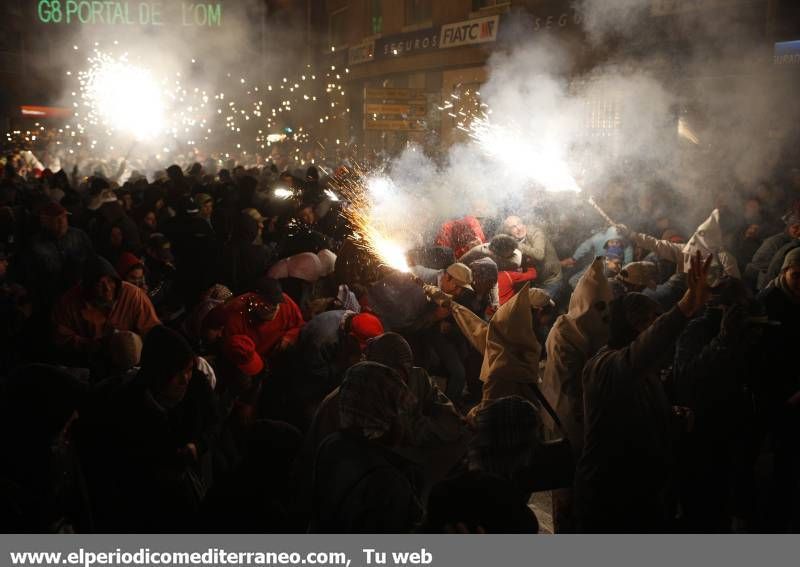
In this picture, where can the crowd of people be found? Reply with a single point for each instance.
(198, 352)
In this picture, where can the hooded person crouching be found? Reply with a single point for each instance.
(97, 307)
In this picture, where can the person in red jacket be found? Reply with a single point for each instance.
(268, 316)
(509, 282)
(461, 235)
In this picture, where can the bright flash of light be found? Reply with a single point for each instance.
(361, 196)
(283, 193)
(331, 195)
(124, 97)
(542, 162)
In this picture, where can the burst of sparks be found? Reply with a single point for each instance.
(123, 97)
(358, 192)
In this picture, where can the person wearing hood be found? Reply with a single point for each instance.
(776, 264)
(157, 436)
(622, 478)
(509, 345)
(574, 338)
(611, 244)
(781, 299)
(99, 306)
(757, 269)
(537, 250)
(244, 260)
(360, 483)
(706, 239)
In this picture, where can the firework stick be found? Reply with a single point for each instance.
(602, 213)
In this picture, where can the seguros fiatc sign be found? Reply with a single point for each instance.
(482, 30)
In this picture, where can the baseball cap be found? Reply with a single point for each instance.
(461, 274)
(240, 350)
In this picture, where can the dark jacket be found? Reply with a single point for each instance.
(51, 266)
(622, 476)
(756, 269)
(243, 261)
(361, 486)
(196, 254)
(145, 486)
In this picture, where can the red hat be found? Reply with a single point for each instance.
(365, 326)
(241, 351)
(126, 263)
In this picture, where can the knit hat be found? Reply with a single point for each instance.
(269, 289)
(390, 349)
(639, 273)
(461, 274)
(125, 349)
(240, 350)
(792, 259)
(374, 399)
(128, 262)
(365, 326)
(164, 354)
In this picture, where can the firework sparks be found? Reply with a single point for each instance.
(123, 97)
(360, 194)
(508, 146)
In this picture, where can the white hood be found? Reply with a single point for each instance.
(583, 313)
(707, 239)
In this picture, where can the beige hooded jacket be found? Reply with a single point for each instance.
(509, 346)
(574, 339)
(707, 239)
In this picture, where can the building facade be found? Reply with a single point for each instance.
(415, 66)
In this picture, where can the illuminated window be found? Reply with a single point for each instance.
(376, 17)
(418, 11)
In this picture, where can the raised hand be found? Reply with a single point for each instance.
(698, 290)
